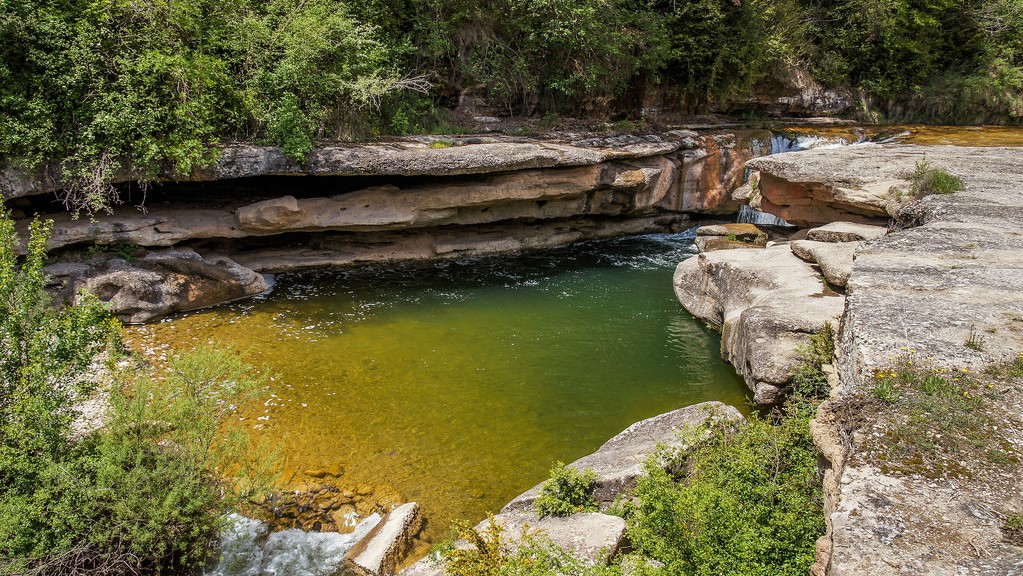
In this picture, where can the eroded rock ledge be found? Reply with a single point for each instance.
(384, 202)
(916, 293)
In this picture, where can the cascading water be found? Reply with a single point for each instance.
(248, 548)
(781, 143)
(749, 215)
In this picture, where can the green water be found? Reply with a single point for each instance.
(460, 383)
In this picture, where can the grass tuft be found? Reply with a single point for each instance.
(927, 180)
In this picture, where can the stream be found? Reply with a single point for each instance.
(459, 383)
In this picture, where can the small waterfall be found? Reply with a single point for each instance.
(248, 548)
(781, 143)
(748, 215)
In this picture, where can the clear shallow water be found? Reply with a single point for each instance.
(459, 383)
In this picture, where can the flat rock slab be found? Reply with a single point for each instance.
(748, 232)
(619, 462)
(590, 537)
(766, 303)
(845, 232)
(402, 158)
(834, 258)
(385, 546)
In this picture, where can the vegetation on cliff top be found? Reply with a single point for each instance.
(101, 86)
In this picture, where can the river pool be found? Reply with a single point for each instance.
(459, 383)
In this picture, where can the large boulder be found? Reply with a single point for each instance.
(845, 232)
(619, 462)
(160, 283)
(835, 259)
(729, 236)
(766, 303)
(591, 537)
(869, 191)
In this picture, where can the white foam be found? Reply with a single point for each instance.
(248, 548)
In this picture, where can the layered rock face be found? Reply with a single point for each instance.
(381, 203)
(917, 294)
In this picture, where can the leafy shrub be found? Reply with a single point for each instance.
(1012, 528)
(809, 380)
(143, 494)
(739, 499)
(566, 492)
(743, 501)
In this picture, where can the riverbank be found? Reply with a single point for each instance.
(933, 301)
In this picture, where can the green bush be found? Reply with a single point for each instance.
(809, 380)
(566, 492)
(739, 499)
(146, 492)
(927, 180)
(743, 501)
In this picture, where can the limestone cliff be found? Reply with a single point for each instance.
(255, 211)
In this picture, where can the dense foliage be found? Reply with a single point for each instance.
(100, 86)
(742, 501)
(144, 493)
(567, 491)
